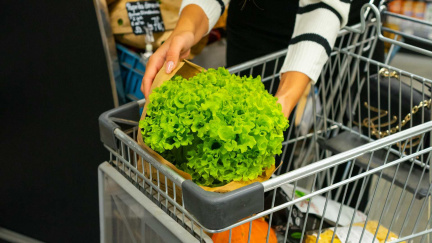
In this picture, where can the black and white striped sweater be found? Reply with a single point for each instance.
(315, 31)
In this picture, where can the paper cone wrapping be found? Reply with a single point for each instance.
(185, 69)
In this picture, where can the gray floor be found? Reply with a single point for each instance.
(416, 65)
(212, 56)
(419, 65)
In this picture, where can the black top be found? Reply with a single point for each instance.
(259, 27)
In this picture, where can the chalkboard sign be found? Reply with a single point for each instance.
(145, 14)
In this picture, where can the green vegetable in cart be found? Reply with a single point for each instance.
(215, 126)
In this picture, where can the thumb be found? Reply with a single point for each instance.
(173, 53)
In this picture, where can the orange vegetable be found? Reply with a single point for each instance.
(240, 233)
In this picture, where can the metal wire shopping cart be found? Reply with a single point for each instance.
(359, 172)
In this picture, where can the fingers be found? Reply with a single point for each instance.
(153, 66)
(185, 54)
(173, 53)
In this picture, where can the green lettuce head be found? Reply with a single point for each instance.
(216, 126)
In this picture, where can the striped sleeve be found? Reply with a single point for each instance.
(212, 8)
(315, 31)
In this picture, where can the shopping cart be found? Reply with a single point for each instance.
(357, 171)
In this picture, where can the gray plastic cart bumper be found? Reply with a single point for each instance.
(219, 210)
(107, 125)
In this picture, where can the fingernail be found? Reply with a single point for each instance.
(169, 67)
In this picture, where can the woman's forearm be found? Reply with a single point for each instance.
(291, 87)
(192, 19)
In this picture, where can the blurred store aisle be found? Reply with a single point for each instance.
(420, 65)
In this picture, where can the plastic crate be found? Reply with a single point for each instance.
(132, 72)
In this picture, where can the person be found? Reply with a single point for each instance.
(254, 28)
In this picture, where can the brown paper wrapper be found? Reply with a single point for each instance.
(187, 69)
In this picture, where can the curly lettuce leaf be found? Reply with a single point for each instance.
(216, 126)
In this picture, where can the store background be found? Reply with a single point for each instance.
(54, 85)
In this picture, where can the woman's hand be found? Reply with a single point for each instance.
(291, 87)
(191, 26)
(175, 48)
